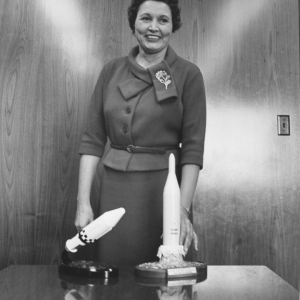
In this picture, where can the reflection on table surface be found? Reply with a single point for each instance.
(222, 282)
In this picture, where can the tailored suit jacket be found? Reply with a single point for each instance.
(162, 106)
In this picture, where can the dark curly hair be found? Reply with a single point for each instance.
(173, 4)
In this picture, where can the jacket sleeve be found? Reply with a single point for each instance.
(194, 119)
(94, 137)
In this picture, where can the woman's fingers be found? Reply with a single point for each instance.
(183, 229)
(187, 234)
(195, 240)
(188, 237)
(84, 216)
(191, 237)
(182, 233)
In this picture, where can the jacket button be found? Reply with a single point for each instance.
(128, 110)
(125, 129)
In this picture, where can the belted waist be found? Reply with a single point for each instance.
(138, 149)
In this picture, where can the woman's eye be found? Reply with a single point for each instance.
(145, 18)
(163, 21)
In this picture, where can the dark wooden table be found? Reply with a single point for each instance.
(223, 282)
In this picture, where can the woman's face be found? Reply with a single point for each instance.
(153, 26)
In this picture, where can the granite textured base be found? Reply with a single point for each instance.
(181, 270)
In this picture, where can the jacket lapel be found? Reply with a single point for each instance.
(158, 76)
(163, 82)
(131, 87)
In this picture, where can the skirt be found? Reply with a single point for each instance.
(137, 236)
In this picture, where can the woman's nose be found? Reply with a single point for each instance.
(153, 26)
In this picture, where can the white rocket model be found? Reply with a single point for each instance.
(95, 229)
(170, 252)
(171, 207)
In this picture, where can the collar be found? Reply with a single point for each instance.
(159, 76)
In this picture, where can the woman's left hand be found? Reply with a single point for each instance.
(187, 232)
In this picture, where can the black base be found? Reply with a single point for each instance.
(87, 281)
(97, 271)
(86, 269)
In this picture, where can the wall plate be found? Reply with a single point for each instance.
(283, 124)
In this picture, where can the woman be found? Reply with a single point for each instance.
(146, 104)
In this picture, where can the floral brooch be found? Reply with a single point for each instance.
(163, 77)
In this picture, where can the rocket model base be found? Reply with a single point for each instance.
(169, 282)
(86, 269)
(186, 270)
(87, 281)
(171, 265)
(89, 270)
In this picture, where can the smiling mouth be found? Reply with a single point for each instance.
(152, 37)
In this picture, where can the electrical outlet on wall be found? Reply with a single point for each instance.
(283, 124)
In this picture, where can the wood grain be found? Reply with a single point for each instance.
(247, 202)
(246, 207)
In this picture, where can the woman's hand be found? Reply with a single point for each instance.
(189, 181)
(87, 171)
(187, 232)
(84, 215)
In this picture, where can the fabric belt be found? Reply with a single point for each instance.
(137, 149)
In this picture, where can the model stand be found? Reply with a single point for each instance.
(171, 265)
(87, 269)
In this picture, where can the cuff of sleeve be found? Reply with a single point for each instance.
(187, 161)
(90, 150)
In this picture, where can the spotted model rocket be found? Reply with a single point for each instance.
(89, 234)
(95, 229)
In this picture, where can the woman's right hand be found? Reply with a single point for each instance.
(87, 171)
(84, 215)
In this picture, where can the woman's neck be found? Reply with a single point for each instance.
(146, 60)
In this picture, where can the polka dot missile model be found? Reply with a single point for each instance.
(95, 229)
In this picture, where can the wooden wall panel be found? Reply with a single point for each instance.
(247, 204)
(247, 201)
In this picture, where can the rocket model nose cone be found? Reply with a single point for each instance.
(172, 163)
(112, 217)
